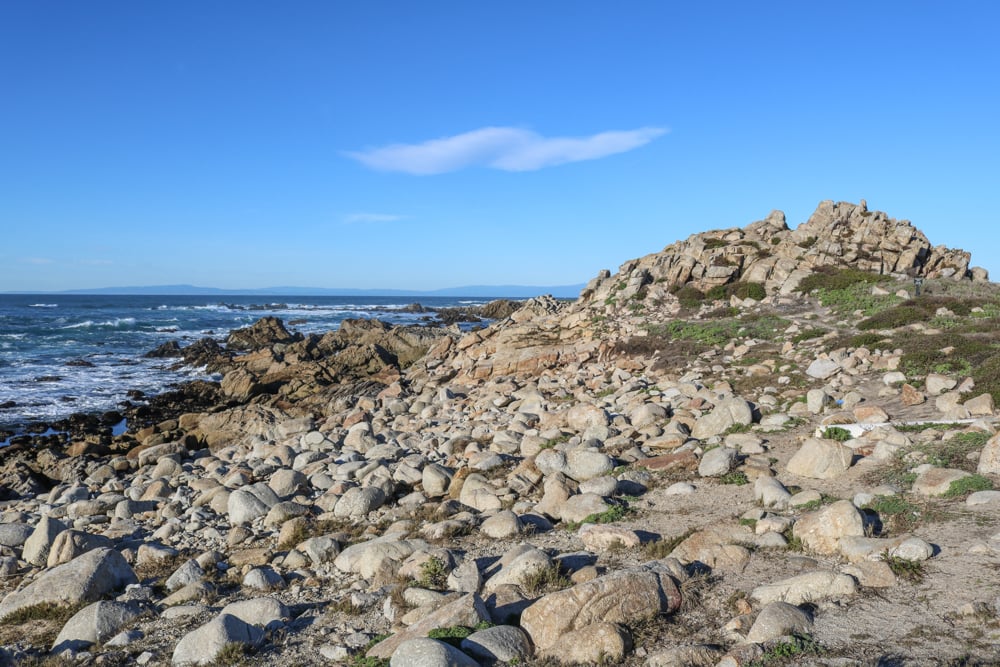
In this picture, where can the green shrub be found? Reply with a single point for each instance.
(904, 568)
(433, 573)
(456, 633)
(868, 340)
(788, 650)
(545, 580)
(967, 485)
(808, 334)
(837, 433)
(689, 296)
(753, 291)
(830, 278)
(712, 244)
(716, 293)
(233, 653)
(897, 514)
(895, 317)
(736, 477)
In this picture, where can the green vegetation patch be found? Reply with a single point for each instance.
(689, 296)
(663, 547)
(610, 515)
(789, 651)
(963, 487)
(433, 574)
(837, 433)
(545, 580)
(904, 568)
(848, 290)
(720, 332)
(455, 634)
(808, 334)
(736, 477)
(741, 290)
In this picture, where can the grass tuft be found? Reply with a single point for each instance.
(904, 568)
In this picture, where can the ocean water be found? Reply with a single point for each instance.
(61, 354)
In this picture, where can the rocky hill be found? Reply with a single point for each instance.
(756, 447)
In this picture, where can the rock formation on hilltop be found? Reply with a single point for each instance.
(614, 307)
(768, 252)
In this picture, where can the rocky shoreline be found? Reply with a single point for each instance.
(665, 472)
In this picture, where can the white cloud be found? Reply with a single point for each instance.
(372, 217)
(37, 260)
(505, 148)
(96, 262)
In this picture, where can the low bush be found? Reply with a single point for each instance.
(689, 297)
(963, 487)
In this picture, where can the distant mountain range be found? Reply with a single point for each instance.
(478, 291)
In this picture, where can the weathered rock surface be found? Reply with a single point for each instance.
(83, 579)
(618, 597)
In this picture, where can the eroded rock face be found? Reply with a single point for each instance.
(264, 332)
(620, 597)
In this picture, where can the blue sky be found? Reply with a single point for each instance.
(434, 144)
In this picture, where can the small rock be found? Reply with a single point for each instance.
(777, 619)
(717, 462)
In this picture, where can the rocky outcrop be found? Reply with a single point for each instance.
(770, 253)
(265, 332)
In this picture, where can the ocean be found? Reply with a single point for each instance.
(63, 354)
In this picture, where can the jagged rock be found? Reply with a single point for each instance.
(264, 332)
(910, 395)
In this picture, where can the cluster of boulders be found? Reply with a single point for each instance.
(524, 492)
(768, 252)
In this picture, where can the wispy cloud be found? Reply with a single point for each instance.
(373, 217)
(95, 262)
(505, 148)
(37, 260)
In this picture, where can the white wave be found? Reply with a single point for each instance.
(43, 305)
(117, 322)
